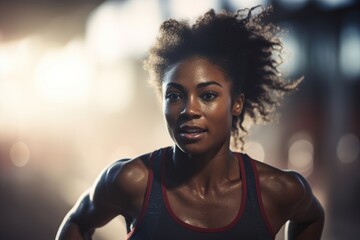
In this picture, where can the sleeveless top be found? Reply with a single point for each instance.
(157, 222)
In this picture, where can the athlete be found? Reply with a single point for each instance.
(211, 75)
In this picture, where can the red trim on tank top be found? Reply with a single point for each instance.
(147, 196)
(261, 204)
(201, 229)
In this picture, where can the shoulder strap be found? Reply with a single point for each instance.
(150, 212)
(254, 198)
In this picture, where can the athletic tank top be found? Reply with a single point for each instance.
(157, 222)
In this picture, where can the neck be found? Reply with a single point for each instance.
(204, 172)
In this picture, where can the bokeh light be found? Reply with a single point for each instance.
(293, 58)
(301, 154)
(116, 30)
(350, 50)
(348, 148)
(191, 10)
(20, 154)
(237, 4)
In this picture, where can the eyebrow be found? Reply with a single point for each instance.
(205, 84)
(200, 85)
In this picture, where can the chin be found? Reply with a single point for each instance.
(192, 149)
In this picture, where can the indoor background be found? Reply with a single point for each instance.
(74, 98)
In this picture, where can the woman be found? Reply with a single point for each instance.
(210, 75)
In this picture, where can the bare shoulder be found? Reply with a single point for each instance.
(126, 181)
(286, 188)
(286, 194)
(121, 187)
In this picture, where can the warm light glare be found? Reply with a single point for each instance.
(72, 188)
(20, 154)
(15, 56)
(348, 148)
(5, 60)
(64, 75)
(116, 30)
(115, 87)
(255, 150)
(191, 10)
(122, 152)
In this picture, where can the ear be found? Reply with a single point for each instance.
(238, 103)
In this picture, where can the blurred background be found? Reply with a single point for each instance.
(74, 98)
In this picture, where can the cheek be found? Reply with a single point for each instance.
(169, 114)
(223, 119)
(221, 111)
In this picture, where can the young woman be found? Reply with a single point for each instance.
(210, 75)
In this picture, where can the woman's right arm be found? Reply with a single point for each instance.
(113, 193)
(76, 223)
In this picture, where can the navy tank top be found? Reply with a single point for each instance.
(157, 222)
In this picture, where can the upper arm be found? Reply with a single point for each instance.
(307, 215)
(119, 189)
(307, 208)
(97, 205)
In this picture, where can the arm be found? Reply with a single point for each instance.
(94, 208)
(307, 220)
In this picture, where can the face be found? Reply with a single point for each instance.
(198, 105)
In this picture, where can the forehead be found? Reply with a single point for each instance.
(195, 70)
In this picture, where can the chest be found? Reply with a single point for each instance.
(215, 209)
(179, 213)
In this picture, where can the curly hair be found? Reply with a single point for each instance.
(242, 45)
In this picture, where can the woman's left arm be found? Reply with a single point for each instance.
(307, 220)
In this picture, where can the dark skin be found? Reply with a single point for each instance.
(203, 177)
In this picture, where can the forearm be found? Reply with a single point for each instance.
(71, 231)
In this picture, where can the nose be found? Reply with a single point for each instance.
(191, 108)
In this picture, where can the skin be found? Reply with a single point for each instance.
(203, 180)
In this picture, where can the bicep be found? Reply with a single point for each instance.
(79, 221)
(97, 205)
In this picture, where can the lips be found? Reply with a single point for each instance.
(191, 132)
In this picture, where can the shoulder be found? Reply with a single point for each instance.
(285, 188)
(122, 184)
(284, 194)
(129, 176)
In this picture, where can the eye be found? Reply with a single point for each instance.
(208, 96)
(172, 97)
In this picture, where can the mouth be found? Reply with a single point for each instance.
(191, 132)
